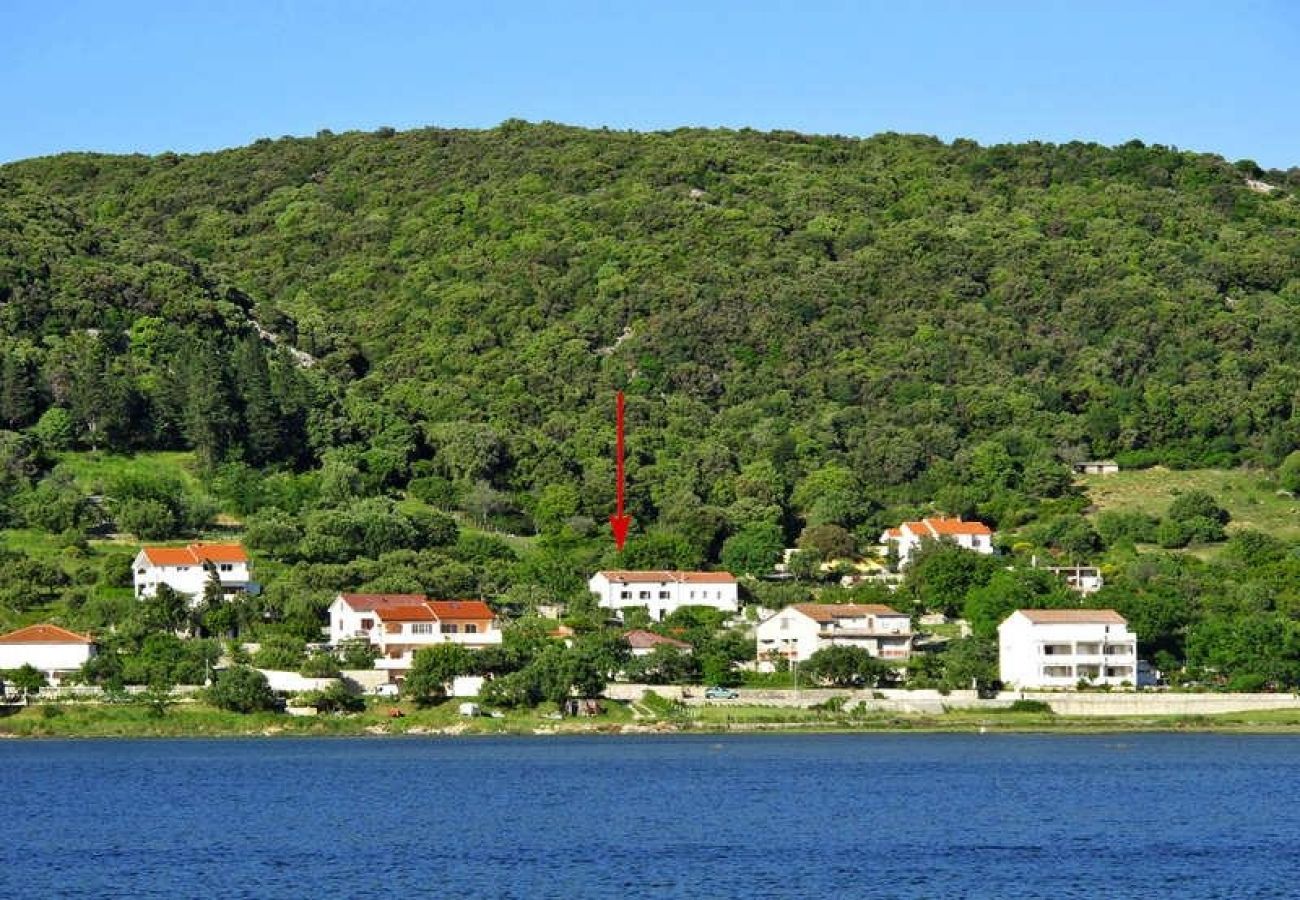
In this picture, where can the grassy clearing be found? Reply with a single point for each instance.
(1249, 495)
(520, 543)
(94, 470)
(88, 720)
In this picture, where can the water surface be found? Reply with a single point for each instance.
(1096, 816)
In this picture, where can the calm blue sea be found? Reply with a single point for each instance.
(667, 816)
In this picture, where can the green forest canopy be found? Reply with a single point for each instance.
(792, 317)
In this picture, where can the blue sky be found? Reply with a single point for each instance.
(124, 76)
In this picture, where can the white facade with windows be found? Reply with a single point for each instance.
(663, 592)
(797, 632)
(1059, 648)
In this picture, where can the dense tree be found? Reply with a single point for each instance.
(242, 690)
(844, 667)
(433, 669)
(1006, 591)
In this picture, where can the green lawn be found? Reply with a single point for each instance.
(198, 720)
(1251, 496)
(95, 469)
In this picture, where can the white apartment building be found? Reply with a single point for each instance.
(906, 539)
(397, 625)
(663, 593)
(1058, 648)
(186, 569)
(797, 632)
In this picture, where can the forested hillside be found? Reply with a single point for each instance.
(810, 331)
(908, 314)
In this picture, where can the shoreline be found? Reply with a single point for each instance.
(91, 722)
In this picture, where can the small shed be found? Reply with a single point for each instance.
(1097, 467)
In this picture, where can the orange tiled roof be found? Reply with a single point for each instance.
(44, 634)
(624, 576)
(826, 612)
(372, 602)
(412, 613)
(195, 554)
(939, 526)
(475, 610)
(640, 639)
(1073, 616)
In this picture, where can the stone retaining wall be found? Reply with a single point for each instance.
(1067, 703)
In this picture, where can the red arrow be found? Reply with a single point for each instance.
(618, 522)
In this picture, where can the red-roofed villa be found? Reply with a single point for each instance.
(797, 632)
(187, 569)
(399, 624)
(906, 538)
(643, 642)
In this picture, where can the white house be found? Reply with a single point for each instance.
(1083, 579)
(663, 593)
(50, 649)
(1097, 467)
(1058, 648)
(643, 643)
(400, 624)
(797, 632)
(907, 538)
(187, 569)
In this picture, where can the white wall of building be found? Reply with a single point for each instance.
(48, 658)
(796, 636)
(1060, 655)
(663, 593)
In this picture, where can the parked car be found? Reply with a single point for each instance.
(717, 692)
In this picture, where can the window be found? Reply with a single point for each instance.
(449, 628)
(367, 624)
(643, 595)
(471, 628)
(692, 595)
(422, 628)
(625, 595)
(663, 595)
(1057, 672)
(227, 567)
(1118, 650)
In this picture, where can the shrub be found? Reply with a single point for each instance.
(1195, 505)
(280, 651)
(357, 653)
(320, 665)
(1172, 535)
(242, 690)
(335, 698)
(1030, 706)
(1288, 474)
